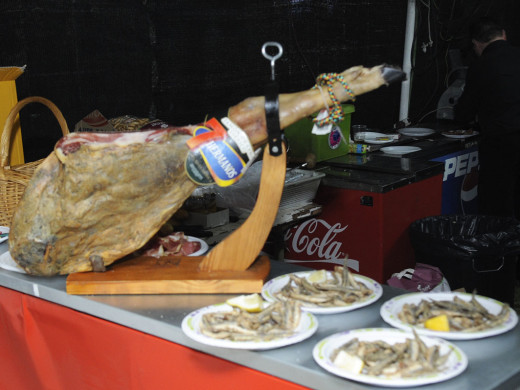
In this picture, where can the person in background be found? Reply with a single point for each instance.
(491, 103)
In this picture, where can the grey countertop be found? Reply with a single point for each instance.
(494, 362)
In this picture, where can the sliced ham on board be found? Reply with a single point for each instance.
(174, 244)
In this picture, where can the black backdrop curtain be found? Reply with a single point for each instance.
(181, 61)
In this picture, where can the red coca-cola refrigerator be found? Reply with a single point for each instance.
(368, 203)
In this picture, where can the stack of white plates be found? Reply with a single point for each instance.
(416, 131)
(371, 137)
(400, 150)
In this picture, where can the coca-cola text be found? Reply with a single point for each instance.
(302, 239)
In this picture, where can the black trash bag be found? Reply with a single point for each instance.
(474, 252)
(470, 235)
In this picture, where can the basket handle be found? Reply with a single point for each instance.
(5, 142)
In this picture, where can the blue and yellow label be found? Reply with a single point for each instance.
(214, 157)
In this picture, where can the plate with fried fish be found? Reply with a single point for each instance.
(450, 315)
(324, 291)
(389, 357)
(270, 325)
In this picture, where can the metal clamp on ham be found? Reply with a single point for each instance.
(271, 103)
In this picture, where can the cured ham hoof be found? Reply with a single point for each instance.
(97, 263)
(392, 74)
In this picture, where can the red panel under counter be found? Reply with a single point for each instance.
(48, 346)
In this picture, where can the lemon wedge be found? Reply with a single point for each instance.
(317, 276)
(252, 303)
(439, 323)
(349, 362)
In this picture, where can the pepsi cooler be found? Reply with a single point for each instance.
(460, 177)
(460, 181)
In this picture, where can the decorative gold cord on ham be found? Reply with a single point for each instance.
(99, 197)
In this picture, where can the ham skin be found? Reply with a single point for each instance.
(98, 198)
(101, 196)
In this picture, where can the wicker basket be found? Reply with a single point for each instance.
(13, 180)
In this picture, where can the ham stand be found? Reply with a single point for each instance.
(234, 265)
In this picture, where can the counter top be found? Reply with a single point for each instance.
(493, 362)
(434, 145)
(376, 172)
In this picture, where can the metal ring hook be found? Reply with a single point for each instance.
(270, 57)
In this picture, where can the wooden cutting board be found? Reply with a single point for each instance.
(168, 275)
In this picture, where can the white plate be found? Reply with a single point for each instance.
(391, 309)
(191, 327)
(370, 137)
(416, 131)
(7, 262)
(459, 136)
(203, 246)
(455, 365)
(399, 150)
(4, 229)
(274, 285)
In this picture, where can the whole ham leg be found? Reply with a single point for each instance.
(99, 197)
(249, 114)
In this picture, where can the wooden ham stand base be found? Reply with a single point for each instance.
(233, 266)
